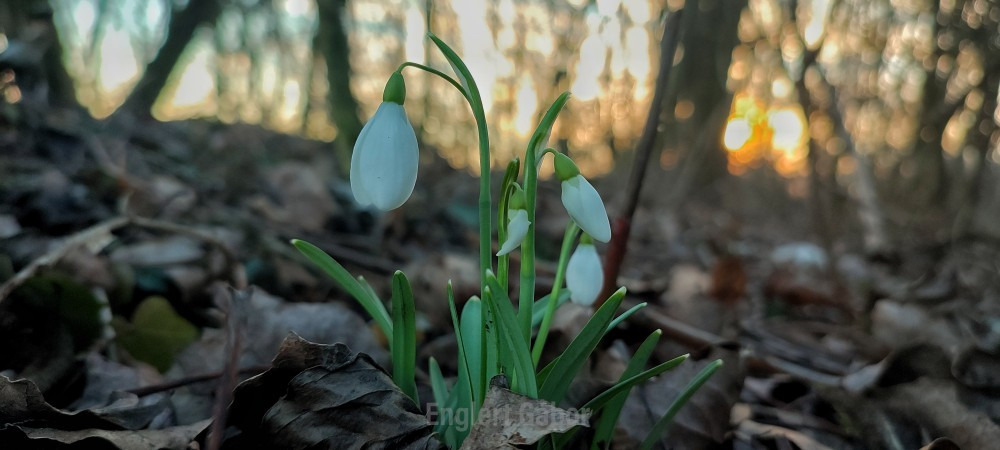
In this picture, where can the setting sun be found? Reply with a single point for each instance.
(756, 133)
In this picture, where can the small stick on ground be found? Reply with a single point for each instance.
(193, 379)
(81, 238)
(235, 323)
(101, 230)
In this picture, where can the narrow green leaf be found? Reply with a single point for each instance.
(538, 310)
(544, 127)
(459, 411)
(438, 386)
(404, 352)
(526, 293)
(509, 333)
(462, 71)
(369, 289)
(465, 360)
(618, 320)
(453, 421)
(476, 102)
(332, 268)
(661, 425)
(603, 398)
(572, 359)
(609, 417)
(471, 322)
(544, 373)
(506, 186)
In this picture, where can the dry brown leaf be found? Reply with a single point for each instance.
(802, 440)
(325, 397)
(935, 404)
(270, 319)
(174, 438)
(508, 419)
(303, 200)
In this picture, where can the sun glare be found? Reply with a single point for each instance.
(527, 104)
(738, 132)
(757, 133)
(118, 65)
(194, 88)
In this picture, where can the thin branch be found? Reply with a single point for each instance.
(644, 148)
(100, 231)
(193, 379)
(236, 312)
(83, 237)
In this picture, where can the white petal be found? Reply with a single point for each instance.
(517, 228)
(584, 276)
(584, 205)
(357, 187)
(388, 158)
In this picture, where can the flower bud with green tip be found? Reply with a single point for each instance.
(584, 274)
(517, 224)
(384, 163)
(581, 200)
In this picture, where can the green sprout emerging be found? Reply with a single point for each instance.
(494, 337)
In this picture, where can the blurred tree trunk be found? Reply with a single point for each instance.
(983, 136)
(183, 25)
(708, 37)
(34, 50)
(330, 41)
(931, 181)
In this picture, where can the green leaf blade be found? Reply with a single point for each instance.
(609, 417)
(509, 332)
(404, 349)
(572, 359)
(696, 383)
(338, 273)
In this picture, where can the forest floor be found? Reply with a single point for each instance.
(142, 265)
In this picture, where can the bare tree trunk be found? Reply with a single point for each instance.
(983, 136)
(876, 240)
(331, 42)
(709, 35)
(183, 25)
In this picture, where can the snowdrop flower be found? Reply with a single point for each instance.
(517, 223)
(584, 275)
(384, 163)
(581, 200)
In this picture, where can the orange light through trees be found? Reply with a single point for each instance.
(756, 133)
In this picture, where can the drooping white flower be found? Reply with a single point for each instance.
(582, 201)
(584, 275)
(517, 228)
(385, 159)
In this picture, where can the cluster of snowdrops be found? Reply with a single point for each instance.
(493, 336)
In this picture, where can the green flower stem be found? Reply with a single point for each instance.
(506, 187)
(472, 97)
(471, 92)
(434, 71)
(526, 296)
(543, 331)
(541, 156)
